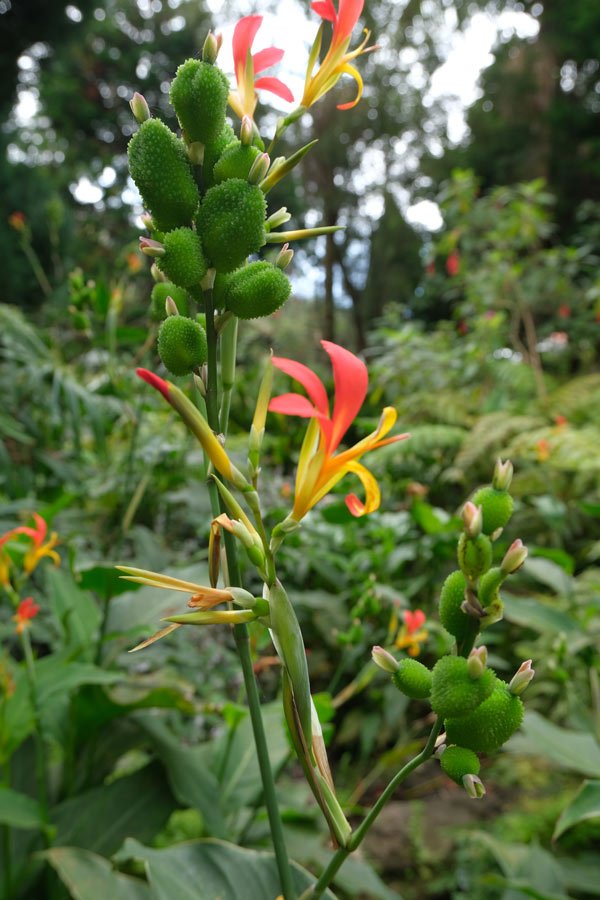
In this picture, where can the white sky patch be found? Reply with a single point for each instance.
(86, 192)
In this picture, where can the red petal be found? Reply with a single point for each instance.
(348, 16)
(243, 36)
(413, 620)
(311, 383)
(294, 405)
(265, 58)
(325, 9)
(355, 506)
(275, 86)
(154, 381)
(351, 380)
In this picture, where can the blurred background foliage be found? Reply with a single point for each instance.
(484, 333)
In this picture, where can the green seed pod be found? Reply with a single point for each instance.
(454, 692)
(161, 170)
(181, 345)
(235, 162)
(491, 724)
(213, 152)
(231, 223)
(413, 679)
(458, 762)
(255, 290)
(199, 94)
(496, 506)
(452, 617)
(160, 292)
(474, 555)
(184, 261)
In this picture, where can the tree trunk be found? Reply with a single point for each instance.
(330, 255)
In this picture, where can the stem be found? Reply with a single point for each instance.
(7, 843)
(36, 266)
(240, 632)
(40, 750)
(358, 836)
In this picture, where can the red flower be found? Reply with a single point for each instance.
(453, 264)
(26, 610)
(564, 311)
(413, 619)
(248, 65)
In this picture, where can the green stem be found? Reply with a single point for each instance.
(36, 266)
(358, 836)
(240, 632)
(7, 842)
(40, 749)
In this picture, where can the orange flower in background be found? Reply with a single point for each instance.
(337, 60)
(247, 66)
(26, 611)
(412, 634)
(319, 467)
(542, 449)
(17, 221)
(39, 549)
(453, 264)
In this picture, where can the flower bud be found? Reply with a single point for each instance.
(459, 763)
(181, 345)
(284, 257)
(139, 108)
(157, 275)
(503, 474)
(231, 221)
(165, 291)
(523, 676)
(195, 152)
(514, 558)
(210, 49)
(477, 661)
(474, 787)
(259, 168)
(384, 660)
(246, 131)
(473, 519)
(151, 248)
(279, 217)
(148, 222)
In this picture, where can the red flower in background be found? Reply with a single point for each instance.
(453, 264)
(248, 66)
(26, 610)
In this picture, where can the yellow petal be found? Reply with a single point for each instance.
(155, 637)
(354, 73)
(372, 492)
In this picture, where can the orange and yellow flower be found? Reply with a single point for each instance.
(247, 65)
(26, 611)
(412, 634)
(39, 549)
(337, 59)
(319, 467)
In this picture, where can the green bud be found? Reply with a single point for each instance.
(454, 692)
(474, 555)
(158, 297)
(213, 152)
(413, 679)
(255, 290)
(181, 345)
(452, 617)
(235, 162)
(458, 762)
(231, 222)
(491, 724)
(184, 261)
(496, 506)
(199, 94)
(161, 170)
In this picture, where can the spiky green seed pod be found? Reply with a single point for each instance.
(160, 292)
(184, 261)
(413, 679)
(474, 555)
(161, 170)
(231, 223)
(255, 290)
(496, 506)
(181, 345)
(235, 162)
(452, 617)
(214, 151)
(458, 762)
(199, 94)
(490, 725)
(453, 691)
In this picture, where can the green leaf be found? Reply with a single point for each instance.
(538, 615)
(224, 871)
(584, 805)
(428, 518)
(573, 750)
(104, 580)
(18, 719)
(550, 574)
(57, 678)
(188, 770)
(75, 611)
(19, 810)
(100, 819)
(88, 876)
(529, 871)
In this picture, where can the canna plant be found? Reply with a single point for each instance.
(206, 193)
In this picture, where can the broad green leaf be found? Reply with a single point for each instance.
(582, 873)
(57, 678)
(75, 611)
(19, 810)
(549, 573)
(104, 580)
(584, 805)
(188, 770)
(18, 718)
(573, 750)
(88, 876)
(136, 805)
(529, 871)
(538, 615)
(213, 870)
(428, 518)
